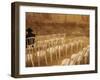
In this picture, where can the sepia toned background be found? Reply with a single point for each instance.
(45, 23)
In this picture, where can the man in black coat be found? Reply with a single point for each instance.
(29, 34)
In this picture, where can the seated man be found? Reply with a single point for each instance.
(30, 37)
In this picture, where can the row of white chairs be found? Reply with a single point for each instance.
(57, 50)
(82, 57)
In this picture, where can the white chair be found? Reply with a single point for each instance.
(65, 61)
